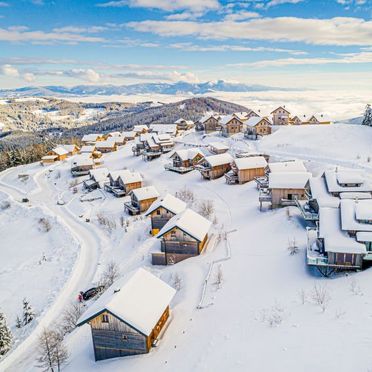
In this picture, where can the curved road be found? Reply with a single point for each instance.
(23, 357)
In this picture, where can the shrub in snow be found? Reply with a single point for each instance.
(110, 274)
(44, 224)
(206, 209)
(5, 205)
(52, 352)
(293, 247)
(273, 316)
(321, 296)
(108, 223)
(186, 195)
(28, 312)
(5, 336)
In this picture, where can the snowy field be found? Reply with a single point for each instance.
(263, 317)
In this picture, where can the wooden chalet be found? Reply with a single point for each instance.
(170, 129)
(184, 160)
(183, 236)
(129, 135)
(118, 140)
(140, 143)
(121, 182)
(140, 129)
(106, 146)
(183, 125)
(81, 165)
(280, 116)
(246, 169)
(141, 200)
(91, 139)
(214, 166)
(162, 210)
(152, 148)
(209, 123)
(57, 154)
(130, 317)
(217, 148)
(285, 188)
(296, 120)
(319, 119)
(257, 126)
(230, 125)
(97, 179)
(71, 149)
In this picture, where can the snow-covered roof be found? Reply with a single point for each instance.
(138, 299)
(364, 236)
(105, 144)
(126, 176)
(181, 121)
(225, 119)
(49, 157)
(187, 154)
(164, 128)
(320, 193)
(218, 146)
(207, 116)
(82, 160)
(140, 128)
(288, 180)
(333, 185)
(363, 210)
(129, 134)
(99, 174)
(190, 222)
(254, 120)
(115, 134)
(144, 193)
(87, 148)
(220, 159)
(336, 240)
(348, 217)
(287, 166)
(90, 137)
(242, 115)
(251, 162)
(60, 151)
(355, 195)
(169, 202)
(68, 148)
(280, 108)
(349, 176)
(164, 137)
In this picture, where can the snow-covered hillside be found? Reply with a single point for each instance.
(263, 317)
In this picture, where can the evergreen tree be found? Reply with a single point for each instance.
(367, 120)
(18, 322)
(5, 336)
(28, 312)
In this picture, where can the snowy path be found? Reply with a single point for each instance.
(22, 358)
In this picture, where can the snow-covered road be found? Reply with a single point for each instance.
(22, 358)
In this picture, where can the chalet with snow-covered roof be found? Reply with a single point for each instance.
(91, 139)
(209, 123)
(141, 199)
(183, 124)
(217, 148)
(121, 182)
(106, 146)
(170, 129)
(97, 179)
(162, 210)
(317, 119)
(140, 144)
(280, 116)
(81, 165)
(257, 126)
(118, 140)
(246, 169)
(129, 135)
(129, 318)
(184, 160)
(230, 125)
(295, 120)
(183, 236)
(57, 154)
(140, 129)
(71, 149)
(214, 166)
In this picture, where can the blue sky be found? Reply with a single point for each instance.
(302, 43)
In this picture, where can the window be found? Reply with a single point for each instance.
(125, 338)
(105, 318)
(158, 212)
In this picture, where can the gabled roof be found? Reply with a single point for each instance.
(82, 160)
(190, 222)
(69, 148)
(254, 120)
(140, 128)
(348, 217)
(187, 154)
(280, 108)
(333, 181)
(60, 151)
(207, 116)
(109, 143)
(363, 210)
(138, 299)
(164, 128)
(99, 174)
(169, 202)
(288, 180)
(144, 193)
(91, 137)
(241, 115)
(220, 159)
(287, 166)
(126, 176)
(251, 162)
(129, 134)
(225, 119)
(87, 148)
(218, 145)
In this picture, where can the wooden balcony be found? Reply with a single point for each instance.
(231, 178)
(131, 209)
(115, 190)
(180, 169)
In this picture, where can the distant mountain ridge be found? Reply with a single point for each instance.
(154, 88)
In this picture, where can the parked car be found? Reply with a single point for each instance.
(25, 200)
(92, 292)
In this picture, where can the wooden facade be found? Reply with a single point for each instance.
(113, 337)
(159, 217)
(138, 206)
(211, 125)
(212, 172)
(247, 175)
(280, 196)
(233, 126)
(280, 116)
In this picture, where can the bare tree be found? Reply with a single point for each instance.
(70, 318)
(293, 247)
(177, 282)
(52, 352)
(110, 275)
(206, 209)
(187, 196)
(44, 224)
(219, 277)
(321, 296)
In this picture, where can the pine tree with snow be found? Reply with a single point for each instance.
(28, 312)
(5, 336)
(367, 120)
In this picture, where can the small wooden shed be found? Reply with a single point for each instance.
(129, 317)
(162, 210)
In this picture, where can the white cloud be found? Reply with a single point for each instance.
(166, 5)
(79, 30)
(241, 16)
(335, 31)
(29, 77)
(281, 2)
(83, 74)
(9, 70)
